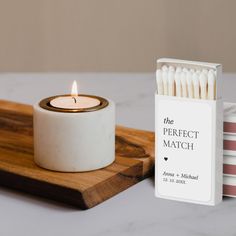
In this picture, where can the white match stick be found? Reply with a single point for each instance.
(211, 85)
(203, 85)
(195, 79)
(190, 84)
(192, 70)
(159, 82)
(178, 84)
(171, 85)
(198, 72)
(185, 70)
(211, 71)
(171, 68)
(164, 68)
(205, 71)
(184, 84)
(178, 69)
(165, 81)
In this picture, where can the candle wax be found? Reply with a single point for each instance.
(74, 102)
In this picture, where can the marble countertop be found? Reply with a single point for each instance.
(133, 212)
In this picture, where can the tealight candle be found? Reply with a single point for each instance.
(73, 101)
(74, 133)
(77, 102)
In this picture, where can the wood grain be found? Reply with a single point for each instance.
(134, 162)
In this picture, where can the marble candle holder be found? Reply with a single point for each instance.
(74, 140)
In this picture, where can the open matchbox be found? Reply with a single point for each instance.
(189, 142)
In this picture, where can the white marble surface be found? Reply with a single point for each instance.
(133, 212)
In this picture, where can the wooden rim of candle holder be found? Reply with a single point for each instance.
(45, 104)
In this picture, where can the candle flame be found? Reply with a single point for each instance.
(74, 89)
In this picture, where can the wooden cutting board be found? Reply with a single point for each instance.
(134, 162)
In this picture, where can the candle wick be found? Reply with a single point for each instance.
(74, 99)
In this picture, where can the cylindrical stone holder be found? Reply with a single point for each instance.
(74, 140)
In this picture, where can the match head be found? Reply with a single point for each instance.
(198, 72)
(203, 79)
(189, 77)
(171, 77)
(177, 77)
(211, 78)
(211, 71)
(178, 69)
(205, 71)
(164, 68)
(192, 71)
(195, 79)
(158, 74)
(171, 68)
(183, 78)
(165, 76)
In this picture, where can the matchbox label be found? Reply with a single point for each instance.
(184, 149)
